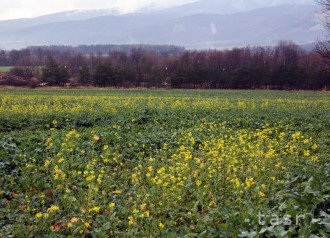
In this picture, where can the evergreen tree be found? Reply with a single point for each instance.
(105, 75)
(84, 74)
(54, 74)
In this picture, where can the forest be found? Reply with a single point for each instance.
(285, 66)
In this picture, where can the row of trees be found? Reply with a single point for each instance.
(36, 55)
(285, 66)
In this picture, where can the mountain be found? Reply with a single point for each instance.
(229, 6)
(201, 24)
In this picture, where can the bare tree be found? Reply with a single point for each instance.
(326, 10)
(323, 47)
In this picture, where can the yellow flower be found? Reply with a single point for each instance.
(314, 159)
(69, 225)
(135, 211)
(314, 146)
(112, 205)
(70, 133)
(39, 215)
(87, 225)
(130, 220)
(96, 138)
(94, 209)
(57, 170)
(117, 192)
(198, 183)
(296, 135)
(53, 208)
(146, 214)
(237, 183)
(161, 225)
(134, 177)
(47, 162)
(212, 204)
(60, 160)
(90, 178)
(306, 153)
(249, 182)
(261, 194)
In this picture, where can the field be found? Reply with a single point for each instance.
(164, 163)
(5, 68)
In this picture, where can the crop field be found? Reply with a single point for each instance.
(164, 163)
(5, 68)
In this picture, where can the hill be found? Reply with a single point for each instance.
(202, 24)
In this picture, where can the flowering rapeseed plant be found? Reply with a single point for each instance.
(148, 165)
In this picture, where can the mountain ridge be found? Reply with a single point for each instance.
(262, 26)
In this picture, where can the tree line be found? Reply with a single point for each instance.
(285, 66)
(323, 47)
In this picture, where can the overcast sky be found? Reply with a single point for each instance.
(13, 9)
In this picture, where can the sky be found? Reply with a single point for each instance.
(14, 9)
